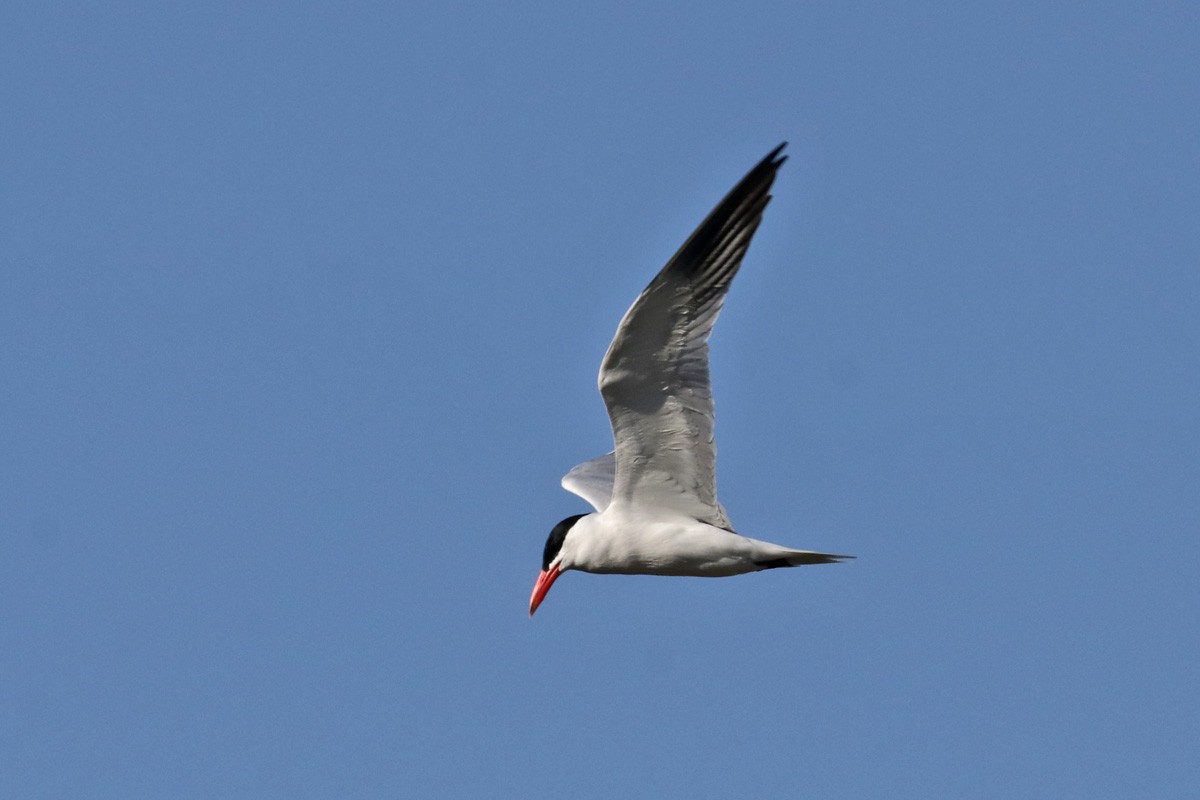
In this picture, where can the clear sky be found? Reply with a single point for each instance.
(301, 307)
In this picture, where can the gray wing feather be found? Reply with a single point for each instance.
(593, 480)
(655, 378)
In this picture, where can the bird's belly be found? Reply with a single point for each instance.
(688, 549)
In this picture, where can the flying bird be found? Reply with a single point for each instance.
(655, 495)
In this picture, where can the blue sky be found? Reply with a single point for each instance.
(301, 309)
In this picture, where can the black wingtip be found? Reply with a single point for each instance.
(768, 166)
(801, 558)
(773, 158)
(713, 253)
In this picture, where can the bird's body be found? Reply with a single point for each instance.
(621, 541)
(624, 541)
(655, 495)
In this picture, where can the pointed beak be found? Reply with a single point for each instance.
(545, 580)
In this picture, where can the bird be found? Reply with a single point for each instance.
(655, 495)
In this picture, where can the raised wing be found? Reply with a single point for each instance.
(654, 378)
(593, 480)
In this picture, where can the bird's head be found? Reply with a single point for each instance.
(554, 560)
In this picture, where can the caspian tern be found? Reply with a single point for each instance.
(655, 495)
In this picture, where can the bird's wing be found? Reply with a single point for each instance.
(593, 480)
(654, 377)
